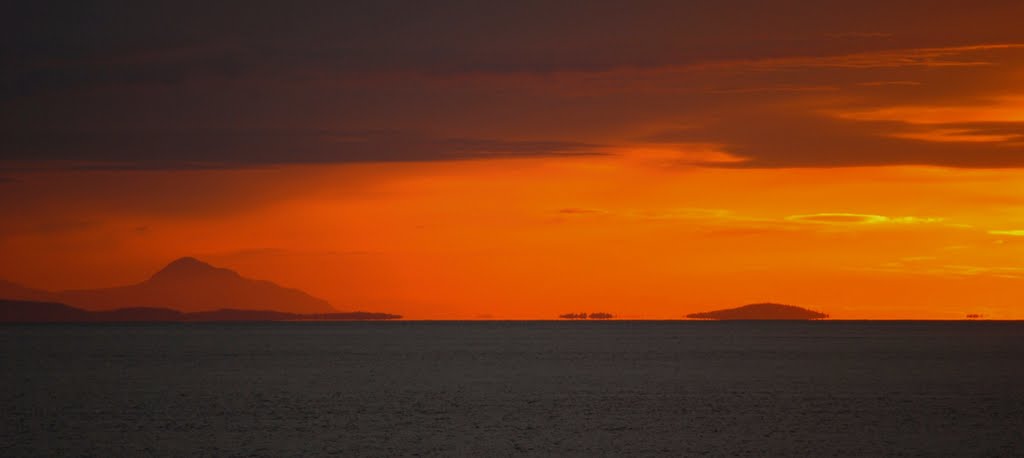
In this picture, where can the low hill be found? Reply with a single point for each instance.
(34, 312)
(763, 311)
(52, 312)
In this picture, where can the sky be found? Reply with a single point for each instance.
(519, 160)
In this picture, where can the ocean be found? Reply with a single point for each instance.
(826, 388)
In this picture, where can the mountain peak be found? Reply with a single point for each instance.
(186, 285)
(187, 261)
(190, 267)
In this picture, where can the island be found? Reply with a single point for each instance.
(585, 316)
(762, 311)
(54, 312)
(185, 290)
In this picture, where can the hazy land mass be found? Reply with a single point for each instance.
(53, 312)
(762, 311)
(187, 289)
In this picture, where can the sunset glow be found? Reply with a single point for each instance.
(868, 166)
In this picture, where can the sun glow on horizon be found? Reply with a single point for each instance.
(531, 239)
(867, 165)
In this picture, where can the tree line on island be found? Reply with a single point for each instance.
(586, 316)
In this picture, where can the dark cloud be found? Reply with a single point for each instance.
(188, 84)
(88, 44)
(1010, 130)
(62, 226)
(192, 149)
(788, 140)
(109, 41)
(49, 225)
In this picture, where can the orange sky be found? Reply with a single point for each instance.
(867, 165)
(530, 238)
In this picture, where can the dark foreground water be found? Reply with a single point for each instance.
(509, 388)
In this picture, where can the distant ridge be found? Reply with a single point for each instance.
(52, 312)
(186, 284)
(15, 291)
(762, 311)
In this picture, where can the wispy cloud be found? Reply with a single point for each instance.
(948, 270)
(889, 83)
(580, 211)
(995, 271)
(842, 35)
(659, 214)
(951, 56)
(858, 218)
(1009, 232)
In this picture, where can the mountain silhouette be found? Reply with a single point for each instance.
(185, 285)
(15, 291)
(13, 311)
(763, 311)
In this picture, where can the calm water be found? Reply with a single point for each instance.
(494, 388)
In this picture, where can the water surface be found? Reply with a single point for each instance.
(500, 388)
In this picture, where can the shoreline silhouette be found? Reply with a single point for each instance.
(12, 311)
(185, 284)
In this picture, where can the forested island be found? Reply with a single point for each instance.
(586, 316)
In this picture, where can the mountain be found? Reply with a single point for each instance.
(51, 312)
(764, 311)
(15, 291)
(186, 285)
